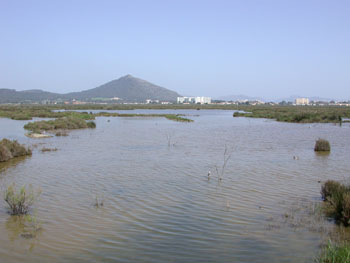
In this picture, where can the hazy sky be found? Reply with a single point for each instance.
(266, 48)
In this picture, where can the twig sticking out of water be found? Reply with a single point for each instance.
(98, 202)
(227, 156)
(169, 137)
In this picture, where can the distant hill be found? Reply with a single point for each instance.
(293, 97)
(127, 89)
(13, 96)
(239, 98)
(290, 98)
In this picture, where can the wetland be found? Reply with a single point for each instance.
(144, 188)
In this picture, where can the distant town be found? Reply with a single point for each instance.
(206, 100)
(198, 100)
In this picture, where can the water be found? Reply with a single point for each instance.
(159, 205)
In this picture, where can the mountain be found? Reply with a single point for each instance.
(127, 89)
(239, 98)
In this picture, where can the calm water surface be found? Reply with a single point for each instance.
(159, 205)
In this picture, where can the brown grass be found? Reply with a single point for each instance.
(11, 149)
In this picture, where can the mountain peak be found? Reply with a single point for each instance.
(128, 76)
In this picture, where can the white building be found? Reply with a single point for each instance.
(302, 101)
(199, 100)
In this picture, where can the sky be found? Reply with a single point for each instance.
(263, 48)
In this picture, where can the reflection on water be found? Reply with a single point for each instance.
(158, 204)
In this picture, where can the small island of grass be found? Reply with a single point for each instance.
(172, 117)
(65, 123)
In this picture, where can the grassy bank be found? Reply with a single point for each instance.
(28, 112)
(296, 114)
(11, 149)
(336, 205)
(335, 253)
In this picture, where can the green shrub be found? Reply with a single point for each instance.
(322, 146)
(19, 202)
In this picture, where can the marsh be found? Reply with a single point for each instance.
(158, 204)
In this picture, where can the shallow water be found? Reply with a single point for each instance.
(158, 202)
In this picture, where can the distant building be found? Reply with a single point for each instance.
(199, 100)
(302, 101)
(149, 101)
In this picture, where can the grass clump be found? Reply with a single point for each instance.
(331, 188)
(61, 133)
(20, 201)
(175, 117)
(335, 253)
(337, 201)
(11, 149)
(322, 146)
(48, 149)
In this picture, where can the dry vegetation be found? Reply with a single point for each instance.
(20, 201)
(11, 149)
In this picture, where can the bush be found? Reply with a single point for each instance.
(337, 198)
(19, 202)
(10, 149)
(322, 146)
